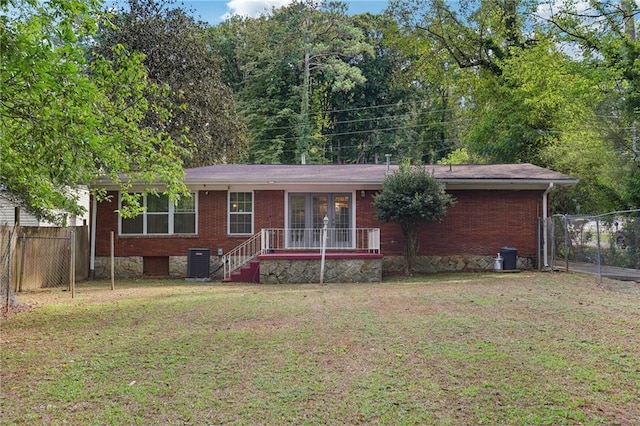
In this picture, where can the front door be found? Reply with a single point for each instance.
(306, 216)
(340, 222)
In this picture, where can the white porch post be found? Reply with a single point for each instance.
(325, 222)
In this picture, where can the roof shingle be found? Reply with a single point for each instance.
(365, 173)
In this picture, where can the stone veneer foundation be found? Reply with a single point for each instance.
(305, 267)
(459, 263)
(302, 268)
(132, 267)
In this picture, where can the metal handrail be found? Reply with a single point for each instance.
(242, 254)
(295, 239)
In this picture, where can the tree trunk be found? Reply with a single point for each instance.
(410, 232)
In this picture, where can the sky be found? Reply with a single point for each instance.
(215, 11)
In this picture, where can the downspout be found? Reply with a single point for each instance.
(92, 259)
(545, 225)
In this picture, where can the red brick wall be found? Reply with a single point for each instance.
(212, 226)
(269, 209)
(480, 223)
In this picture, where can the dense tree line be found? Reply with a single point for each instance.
(554, 84)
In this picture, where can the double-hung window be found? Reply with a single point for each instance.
(240, 213)
(184, 216)
(161, 217)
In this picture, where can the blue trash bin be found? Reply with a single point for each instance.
(509, 256)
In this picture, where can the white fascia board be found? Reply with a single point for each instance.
(337, 186)
(285, 186)
(504, 184)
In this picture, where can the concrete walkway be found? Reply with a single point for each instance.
(612, 272)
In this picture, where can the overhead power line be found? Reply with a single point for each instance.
(355, 132)
(455, 144)
(365, 119)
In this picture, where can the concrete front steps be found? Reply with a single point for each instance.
(249, 273)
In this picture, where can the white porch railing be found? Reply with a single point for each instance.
(357, 239)
(295, 239)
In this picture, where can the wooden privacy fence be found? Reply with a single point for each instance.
(40, 257)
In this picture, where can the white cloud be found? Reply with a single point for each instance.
(254, 8)
(547, 9)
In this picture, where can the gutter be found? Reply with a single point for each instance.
(337, 180)
(545, 225)
(280, 181)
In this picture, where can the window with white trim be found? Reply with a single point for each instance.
(240, 213)
(306, 217)
(161, 217)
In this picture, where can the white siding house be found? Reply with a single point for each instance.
(8, 214)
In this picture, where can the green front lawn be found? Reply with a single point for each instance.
(528, 348)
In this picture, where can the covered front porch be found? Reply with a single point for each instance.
(288, 255)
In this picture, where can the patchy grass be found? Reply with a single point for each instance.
(528, 348)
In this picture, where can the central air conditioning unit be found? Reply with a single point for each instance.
(198, 260)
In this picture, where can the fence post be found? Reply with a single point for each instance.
(566, 242)
(72, 263)
(552, 237)
(113, 283)
(540, 247)
(24, 251)
(599, 266)
(8, 289)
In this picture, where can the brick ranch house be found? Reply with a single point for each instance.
(263, 223)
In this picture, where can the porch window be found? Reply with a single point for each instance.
(161, 217)
(241, 213)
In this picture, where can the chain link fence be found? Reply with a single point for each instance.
(6, 292)
(33, 258)
(606, 245)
